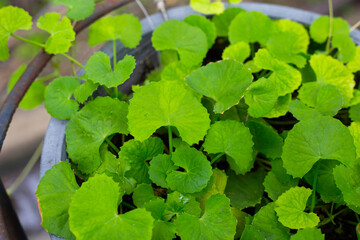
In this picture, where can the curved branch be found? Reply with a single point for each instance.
(39, 62)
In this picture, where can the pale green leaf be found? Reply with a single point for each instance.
(346, 47)
(85, 90)
(281, 107)
(78, 9)
(222, 21)
(301, 112)
(205, 25)
(207, 6)
(355, 133)
(308, 234)
(253, 68)
(319, 29)
(354, 64)
(239, 51)
(176, 71)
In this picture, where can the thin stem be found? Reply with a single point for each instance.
(72, 60)
(313, 197)
(329, 215)
(48, 77)
(112, 145)
(128, 205)
(116, 91)
(170, 140)
(28, 41)
(355, 26)
(331, 20)
(26, 170)
(263, 161)
(216, 158)
(143, 9)
(252, 46)
(72, 63)
(327, 220)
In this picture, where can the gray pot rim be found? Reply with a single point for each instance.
(54, 149)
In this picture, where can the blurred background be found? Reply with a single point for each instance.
(28, 127)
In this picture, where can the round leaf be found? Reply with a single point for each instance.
(207, 6)
(281, 107)
(319, 29)
(78, 9)
(309, 234)
(239, 51)
(222, 21)
(84, 91)
(177, 204)
(160, 167)
(205, 25)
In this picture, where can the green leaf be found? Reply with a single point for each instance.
(251, 27)
(346, 47)
(98, 69)
(94, 213)
(61, 32)
(124, 27)
(266, 221)
(196, 174)
(78, 9)
(224, 81)
(54, 194)
(290, 208)
(57, 97)
(109, 161)
(301, 112)
(34, 96)
(222, 21)
(266, 139)
(253, 68)
(261, 97)
(90, 126)
(355, 133)
(167, 104)
(239, 51)
(160, 167)
(356, 99)
(217, 222)
(325, 185)
(348, 181)
(177, 204)
(176, 71)
(84, 91)
(163, 230)
(281, 107)
(314, 139)
(325, 98)
(156, 206)
(190, 42)
(332, 71)
(251, 233)
(234, 139)
(319, 29)
(277, 181)
(207, 6)
(285, 78)
(354, 64)
(205, 25)
(354, 113)
(245, 190)
(241, 221)
(143, 193)
(309, 234)
(137, 155)
(11, 19)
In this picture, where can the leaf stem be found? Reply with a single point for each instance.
(357, 217)
(28, 41)
(331, 20)
(128, 205)
(216, 158)
(26, 170)
(48, 77)
(72, 60)
(355, 26)
(313, 197)
(170, 140)
(112, 145)
(116, 91)
(252, 46)
(327, 220)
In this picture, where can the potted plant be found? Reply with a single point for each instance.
(248, 129)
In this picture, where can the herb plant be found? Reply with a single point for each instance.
(248, 130)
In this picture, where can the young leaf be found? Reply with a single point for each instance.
(346, 47)
(57, 97)
(332, 71)
(235, 140)
(290, 208)
(143, 193)
(124, 27)
(61, 32)
(222, 21)
(178, 204)
(250, 27)
(261, 97)
(205, 25)
(54, 194)
(348, 181)
(224, 81)
(217, 222)
(253, 68)
(137, 154)
(245, 190)
(94, 213)
(325, 98)
(281, 107)
(239, 51)
(354, 64)
(34, 95)
(285, 78)
(78, 9)
(319, 29)
(90, 126)
(167, 104)
(98, 69)
(85, 90)
(207, 6)
(355, 132)
(314, 139)
(301, 112)
(197, 171)
(308, 234)
(266, 139)
(277, 181)
(160, 167)
(11, 19)
(190, 42)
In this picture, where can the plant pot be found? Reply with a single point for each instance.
(54, 149)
